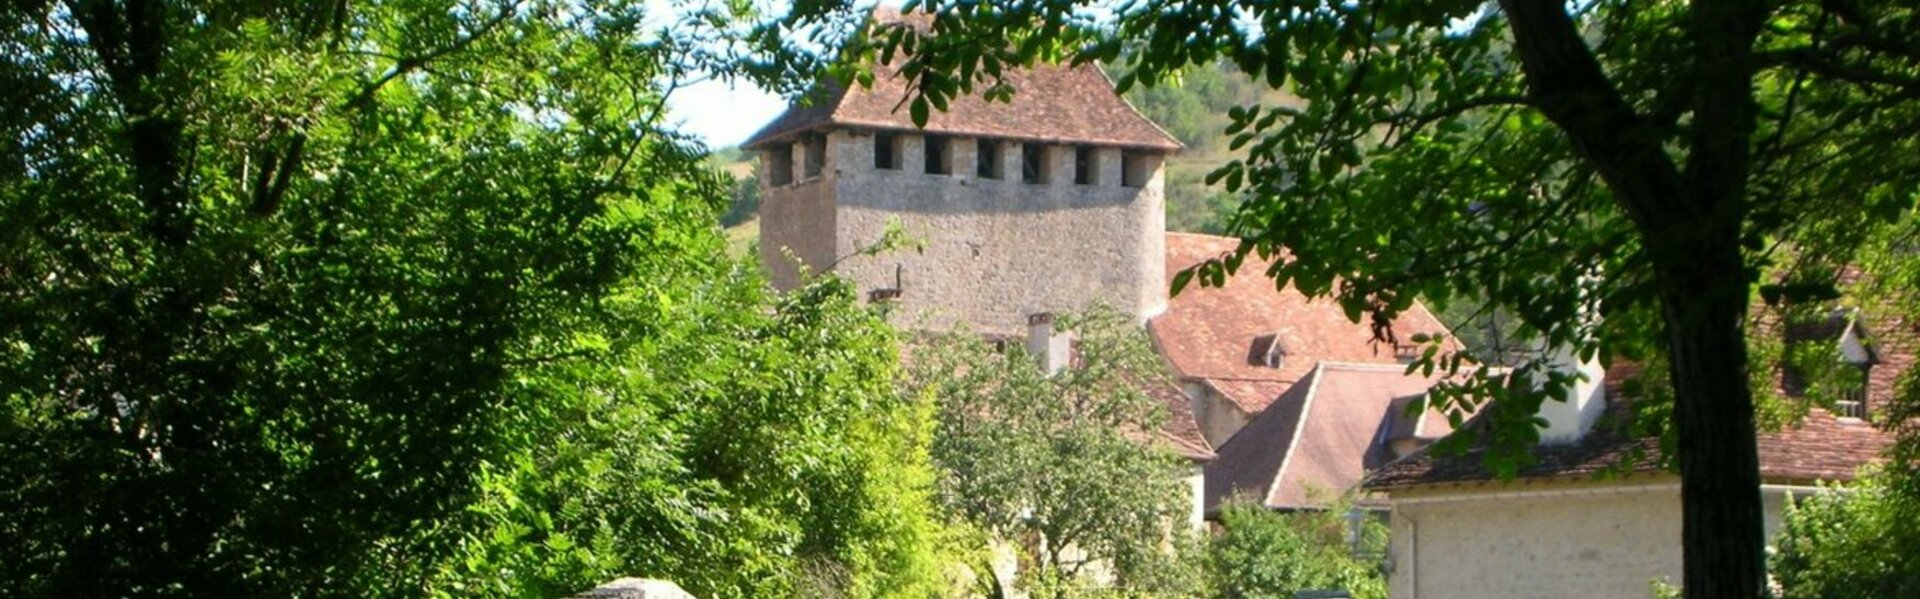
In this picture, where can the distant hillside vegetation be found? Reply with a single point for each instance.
(1194, 109)
(742, 218)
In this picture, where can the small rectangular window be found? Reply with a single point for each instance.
(939, 155)
(1084, 162)
(816, 154)
(986, 156)
(1135, 168)
(779, 164)
(1033, 163)
(886, 150)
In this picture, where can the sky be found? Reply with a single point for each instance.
(724, 114)
(720, 114)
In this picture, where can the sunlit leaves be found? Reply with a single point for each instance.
(1073, 457)
(443, 312)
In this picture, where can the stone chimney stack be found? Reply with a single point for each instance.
(1052, 349)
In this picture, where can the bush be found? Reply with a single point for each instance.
(1857, 541)
(1267, 554)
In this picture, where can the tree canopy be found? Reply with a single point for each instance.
(1644, 162)
(1068, 466)
(412, 298)
(1263, 553)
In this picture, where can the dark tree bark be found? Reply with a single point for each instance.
(1690, 222)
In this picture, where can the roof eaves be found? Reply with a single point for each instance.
(1177, 146)
(1171, 146)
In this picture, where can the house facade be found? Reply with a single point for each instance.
(1597, 514)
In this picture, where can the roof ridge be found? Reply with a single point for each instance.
(1368, 366)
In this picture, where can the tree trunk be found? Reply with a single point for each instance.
(1690, 224)
(1704, 306)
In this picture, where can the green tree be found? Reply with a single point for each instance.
(738, 451)
(1861, 540)
(744, 202)
(1641, 160)
(1062, 464)
(410, 298)
(1853, 542)
(1262, 553)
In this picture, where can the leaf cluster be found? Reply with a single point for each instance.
(1068, 464)
(411, 298)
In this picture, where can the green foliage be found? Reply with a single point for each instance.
(748, 453)
(1662, 590)
(1193, 107)
(1857, 541)
(412, 298)
(1641, 162)
(1860, 540)
(1267, 554)
(1060, 464)
(744, 203)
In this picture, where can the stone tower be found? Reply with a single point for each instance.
(1046, 203)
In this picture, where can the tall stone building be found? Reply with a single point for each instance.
(997, 192)
(1053, 201)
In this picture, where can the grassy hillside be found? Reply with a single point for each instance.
(1194, 109)
(740, 237)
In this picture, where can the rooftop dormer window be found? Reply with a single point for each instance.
(1268, 350)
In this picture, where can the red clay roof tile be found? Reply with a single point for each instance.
(1822, 447)
(1321, 437)
(1212, 333)
(1051, 103)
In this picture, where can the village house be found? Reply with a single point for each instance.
(1598, 514)
(1298, 400)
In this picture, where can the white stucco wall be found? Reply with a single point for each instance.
(1197, 491)
(1584, 539)
(1218, 418)
(1593, 541)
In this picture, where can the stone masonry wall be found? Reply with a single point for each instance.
(995, 250)
(797, 218)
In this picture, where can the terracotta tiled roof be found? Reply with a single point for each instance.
(1822, 447)
(1181, 430)
(1051, 103)
(1321, 436)
(1892, 336)
(1212, 334)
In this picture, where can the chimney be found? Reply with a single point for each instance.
(1568, 421)
(1050, 348)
